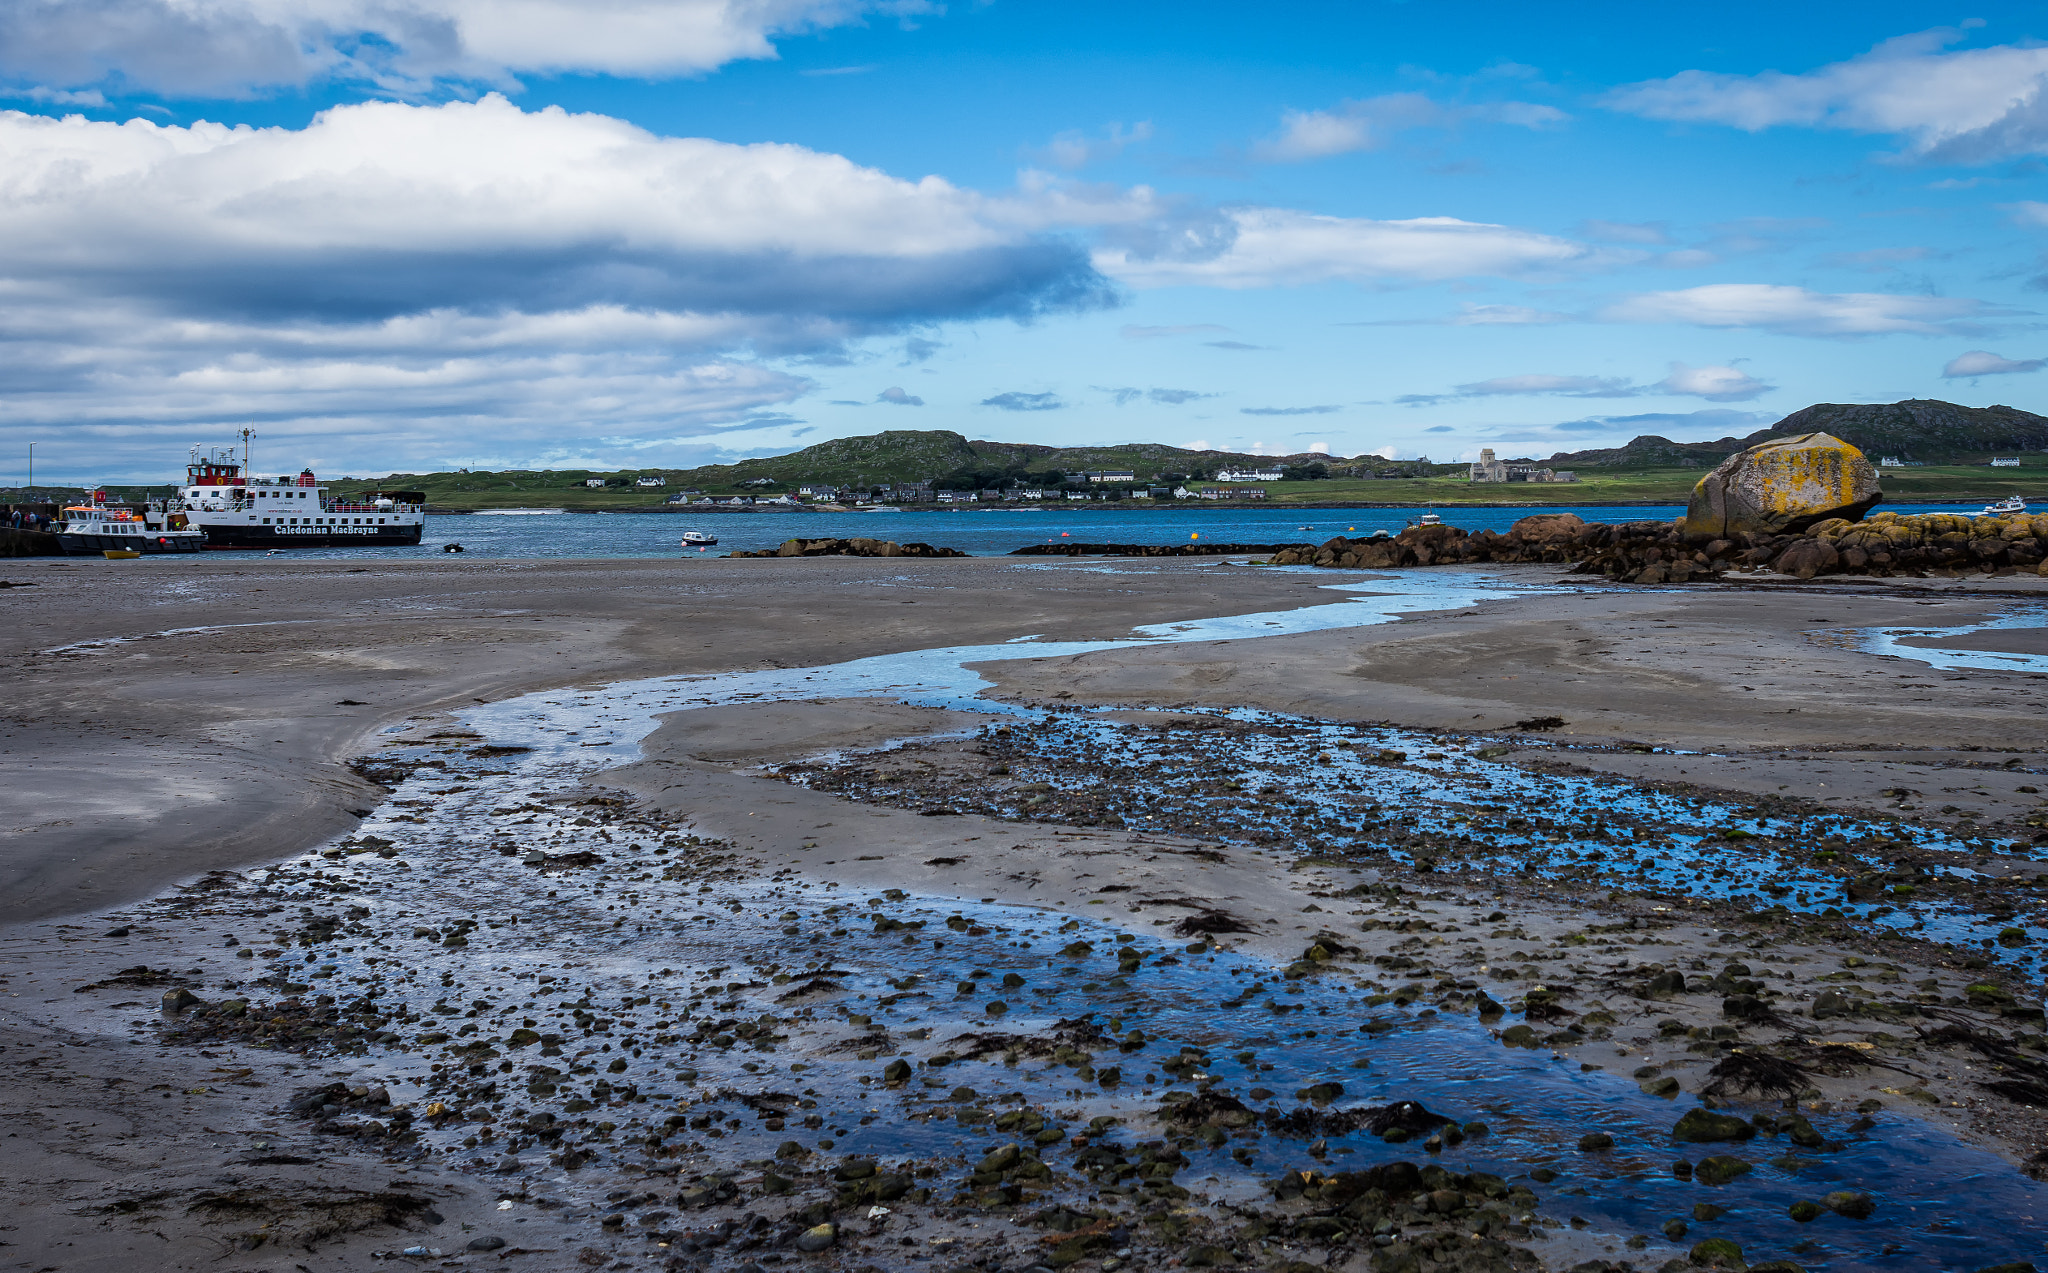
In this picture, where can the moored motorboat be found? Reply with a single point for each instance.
(97, 527)
(698, 539)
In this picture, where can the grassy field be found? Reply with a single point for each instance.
(1619, 486)
(1933, 484)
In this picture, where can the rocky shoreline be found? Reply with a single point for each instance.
(1883, 545)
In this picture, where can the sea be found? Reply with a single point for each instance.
(548, 532)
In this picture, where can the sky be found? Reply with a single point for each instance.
(409, 235)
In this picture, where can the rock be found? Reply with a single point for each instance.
(1850, 1205)
(1704, 1125)
(486, 1243)
(122, 931)
(1806, 1210)
(1662, 1085)
(1676, 1229)
(180, 999)
(1000, 1159)
(1832, 1003)
(896, 1071)
(1664, 985)
(1801, 1132)
(1593, 1141)
(1716, 1253)
(1520, 1036)
(1745, 1008)
(1719, 1170)
(1806, 558)
(1548, 528)
(1706, 1211)
(1782, 487)
(817, 1238)
(1208, 1257)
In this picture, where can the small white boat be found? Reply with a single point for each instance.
(698, 539)
(1429, 519)
(2010, 506)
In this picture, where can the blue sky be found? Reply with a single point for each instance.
(433, 233)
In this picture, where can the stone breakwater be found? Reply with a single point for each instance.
(860, 547)
(1661, 552)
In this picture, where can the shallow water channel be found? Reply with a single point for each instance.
(660, 985)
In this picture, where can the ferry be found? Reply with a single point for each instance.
(2011, 506)
(236, 510)
(94, 527)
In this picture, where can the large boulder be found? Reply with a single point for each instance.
(1783, 487)
(1549, 528)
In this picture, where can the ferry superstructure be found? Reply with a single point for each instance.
(241, 511)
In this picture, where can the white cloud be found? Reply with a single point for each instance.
(1369, 123)
(1797, 311)
(234, 47)
(466, 268)
(1275, 247)
(1075, 149)
(1969, 106)
(1574, 386)
(1982, 362)
(1715, 384)
(1016, 400)
(897, 395)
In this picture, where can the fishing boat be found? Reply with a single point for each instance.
(2010, 506)
(1428, 519)
(98, 527)
(698, 539)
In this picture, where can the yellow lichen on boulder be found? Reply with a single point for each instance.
(1782, 487)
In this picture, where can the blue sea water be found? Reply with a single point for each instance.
(981, 533)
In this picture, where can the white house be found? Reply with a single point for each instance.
(2005, 462)
(1248, 475)
(650, 481)
(594, 482)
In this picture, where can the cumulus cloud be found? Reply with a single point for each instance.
(1715, 384)
(434, 262)
(1982, 362)
(1272, 247)
(1016, 401)
(896, 395)
(1798, 311)
(1967, 106)
(1371, 122)
(227, 48)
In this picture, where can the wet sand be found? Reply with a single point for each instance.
(138, 761)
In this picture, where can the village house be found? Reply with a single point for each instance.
(650, 481)
(1249, 475)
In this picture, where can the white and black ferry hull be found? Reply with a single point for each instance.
(165, 541)
(230, 536)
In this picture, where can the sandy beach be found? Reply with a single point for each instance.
(1500, 820)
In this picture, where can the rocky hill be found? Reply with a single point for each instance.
(1923, 429)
